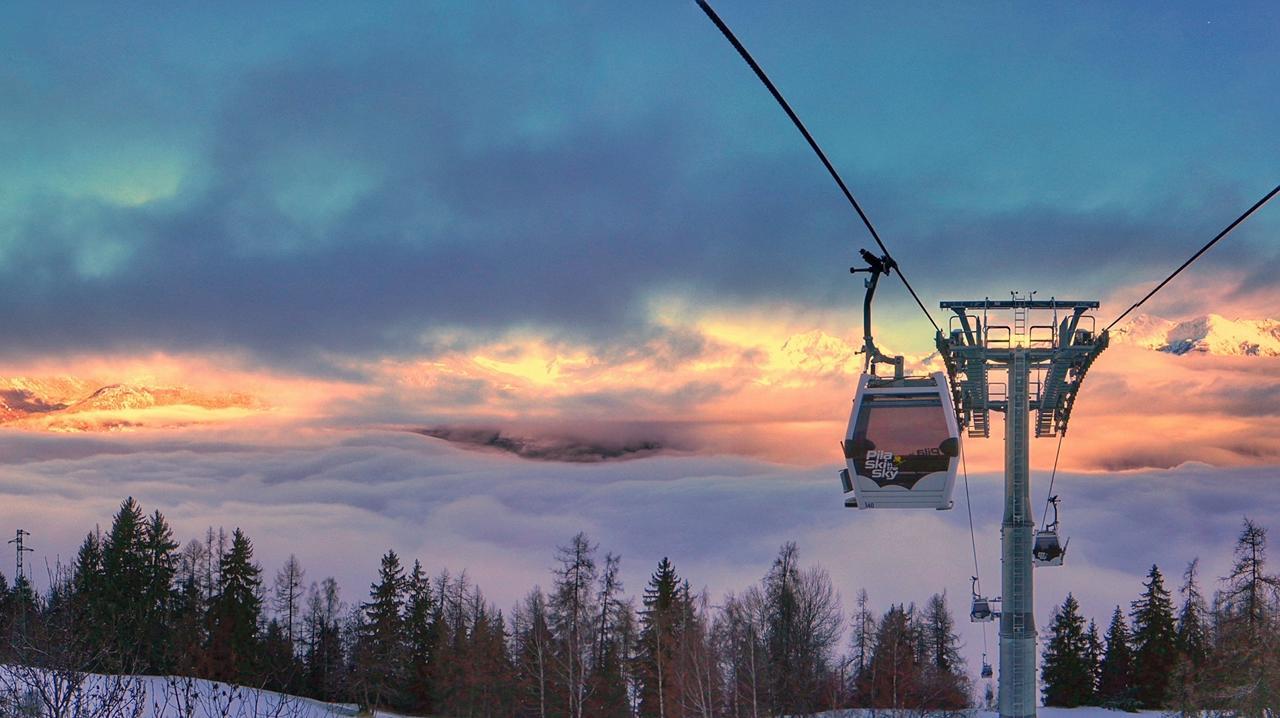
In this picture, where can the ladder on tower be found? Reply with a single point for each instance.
(1020, 315)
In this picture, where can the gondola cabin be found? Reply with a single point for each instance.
(902, 445)
(1048, 549)
(980, 611)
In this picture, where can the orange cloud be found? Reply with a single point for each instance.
(756, 388)
(753, 385)
(160, 392)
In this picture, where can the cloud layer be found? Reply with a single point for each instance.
(338, 499)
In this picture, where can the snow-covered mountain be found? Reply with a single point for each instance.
(1208, 334)
(75, 404)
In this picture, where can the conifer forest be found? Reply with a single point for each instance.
(136, 601)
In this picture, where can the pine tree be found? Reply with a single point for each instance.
(489, 665)
(382, 650)
(1155, 643)
(190, 628)
(1115, 679)
(6, 617)
(1066, 669)
(802, 623)
(276, 667)
(87, 597)
(158, 595)
(419, 639)
(235, 612)
(659, 621)
(1093, 652)
(124, 584)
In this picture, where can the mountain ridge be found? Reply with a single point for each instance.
(1211, 334)
(73, 404)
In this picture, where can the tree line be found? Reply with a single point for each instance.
(1210, 654)
(135, 601)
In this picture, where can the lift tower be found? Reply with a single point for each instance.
(1045, 364)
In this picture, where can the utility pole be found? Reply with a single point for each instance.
(20, 549)
(1058, 354)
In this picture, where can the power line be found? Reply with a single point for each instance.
(795, 119)
(1194, 257)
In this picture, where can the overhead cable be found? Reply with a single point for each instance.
(795, 119)
(1194, 257)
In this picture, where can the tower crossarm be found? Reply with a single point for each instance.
(965, 357)
(1075, 352)
(1100, 343)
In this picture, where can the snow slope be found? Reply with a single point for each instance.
(1040, 713)
(99, 696)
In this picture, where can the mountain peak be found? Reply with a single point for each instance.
(1205, 334)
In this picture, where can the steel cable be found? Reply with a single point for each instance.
(1194, 257)
(795, 119)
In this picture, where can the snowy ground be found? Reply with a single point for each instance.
(25, 691)
(1040, 713)
(31, 692)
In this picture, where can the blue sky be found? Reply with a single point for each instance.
(172, 171)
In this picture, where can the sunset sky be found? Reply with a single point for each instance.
(589, 222)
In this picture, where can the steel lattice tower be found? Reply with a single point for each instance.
(1058, 354)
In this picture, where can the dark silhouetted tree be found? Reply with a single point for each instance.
(159, 552)
(1115, 679)
(124, 584)
(381, 649)
(419, 640)
(1066, 671)
(235, 613)
(659, 621)
(1155, 643)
